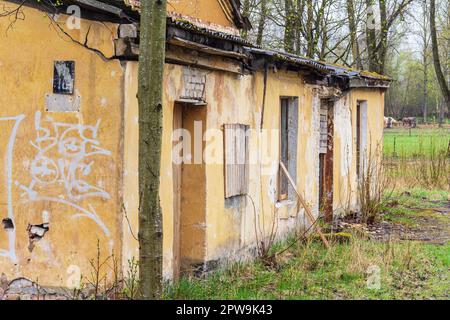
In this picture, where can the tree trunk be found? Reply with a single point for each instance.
(298, 26)
(245, 13)
(425, 61)
(383, 45)
(448, 50)
(437, 62)
(371, 38)
(289, 29)
(151, 69)
(425, 92)
(309, 29)
(354, 35)
(261, 22)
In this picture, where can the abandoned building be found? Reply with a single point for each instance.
(69, 117)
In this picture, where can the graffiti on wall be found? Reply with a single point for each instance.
(10, 252)
(59, 171)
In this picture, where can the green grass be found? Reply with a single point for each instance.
(308, 271)
(402, 207)
(420, 198)
(415, 142)
(408, 271)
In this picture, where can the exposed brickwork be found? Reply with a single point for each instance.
(24, 289)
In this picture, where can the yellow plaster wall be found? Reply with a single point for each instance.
(345, 181)
(88, 141)
(230, 224)
(26, 72)
(210, 11)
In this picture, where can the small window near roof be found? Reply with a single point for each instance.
(236, 145)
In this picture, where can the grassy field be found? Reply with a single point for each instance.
(418, 158)
(412, 143)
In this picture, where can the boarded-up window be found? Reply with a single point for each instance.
(236, 159)
(288, 145)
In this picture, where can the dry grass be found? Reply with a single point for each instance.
(346, 271)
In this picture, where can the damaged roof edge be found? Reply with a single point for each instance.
(120, 9)
(329, 69)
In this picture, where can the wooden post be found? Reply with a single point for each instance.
(448, 149)
(308, 211)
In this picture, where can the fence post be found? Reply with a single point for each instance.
(394, 154)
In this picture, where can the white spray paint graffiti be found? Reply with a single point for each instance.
(63, 162)
(64, 158)
(11, 252)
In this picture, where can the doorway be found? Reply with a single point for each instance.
(361, 139)
(189, 187)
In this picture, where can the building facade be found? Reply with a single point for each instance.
(232, 113)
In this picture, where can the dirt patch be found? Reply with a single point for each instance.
(430, 226)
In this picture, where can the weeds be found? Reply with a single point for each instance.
(309, 271)
(375, 187)
(106, 280)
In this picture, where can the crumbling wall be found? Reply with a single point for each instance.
(60, 143)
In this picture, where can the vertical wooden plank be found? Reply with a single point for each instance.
(247, 160)
(225, 151)
(329, 165)
(283, 184)
(292, 143)
(241, 155)
(358, 139)
(236, 159)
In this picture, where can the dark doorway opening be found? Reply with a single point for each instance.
(189, 187)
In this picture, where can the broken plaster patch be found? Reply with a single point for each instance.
(36, 233)
(62, 103)
(8, 224)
